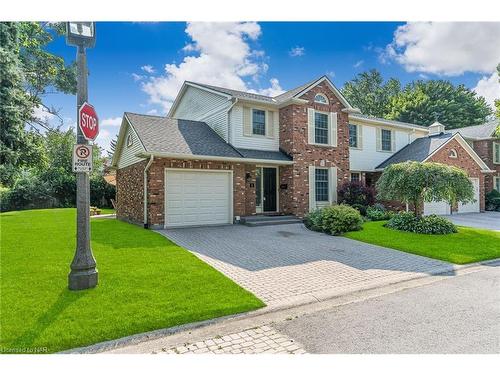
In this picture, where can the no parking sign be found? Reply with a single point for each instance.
(82, 158)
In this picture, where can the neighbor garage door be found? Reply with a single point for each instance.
(437, 208)
(194, 197)
(474, 206)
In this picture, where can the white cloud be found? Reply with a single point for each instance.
(222, 56)
(359, 63)
(447, 48)
(42, 114)
(148, 69)
(297, 51)
(489, 87)
(331, 74)
(112, 121)
(152, 112)
(274, 90)
(137, 77)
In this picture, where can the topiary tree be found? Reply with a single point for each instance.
(415, 182)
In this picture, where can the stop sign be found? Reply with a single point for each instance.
(88, 122)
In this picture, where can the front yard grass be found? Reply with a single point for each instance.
(467, 246)
(145, 283)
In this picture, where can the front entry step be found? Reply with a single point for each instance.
(261, 220)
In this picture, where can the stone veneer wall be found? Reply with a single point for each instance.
(130, 192)
(294, 141)
(464, 161)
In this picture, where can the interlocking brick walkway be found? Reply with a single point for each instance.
(252, 341)
(284, 263)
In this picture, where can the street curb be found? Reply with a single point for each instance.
(307, 299)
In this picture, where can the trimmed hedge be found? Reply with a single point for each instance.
(432, 224)
(334, 220)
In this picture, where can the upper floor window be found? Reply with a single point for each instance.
(130, 140)
(321, 184)
(356, 177)
(453, 153)
(353, 135)
(386, 140)
(320, 128)
(320, 98)
(258, 122)
(496, 153)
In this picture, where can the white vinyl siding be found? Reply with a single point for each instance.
(240, 119)
(201, 105)
(367, 158)
(127, 154)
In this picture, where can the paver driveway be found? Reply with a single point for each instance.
(287, 264)
(486, 220)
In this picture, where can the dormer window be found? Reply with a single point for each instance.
(130, 140)
(320, 98)
(453, 153)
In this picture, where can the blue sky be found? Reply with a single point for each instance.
(139, 67)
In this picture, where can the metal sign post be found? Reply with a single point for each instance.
(83, 274)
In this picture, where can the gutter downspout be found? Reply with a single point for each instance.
(146, 191)
(229, 122)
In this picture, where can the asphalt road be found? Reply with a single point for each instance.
(458, 315)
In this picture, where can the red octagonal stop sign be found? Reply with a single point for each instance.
(88, 122)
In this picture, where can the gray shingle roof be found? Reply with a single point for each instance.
(418, 150)
(291, 93)
(185, 137)
(168, 135)
(238, 94)
(478, 131)
(264, 155)
(398, 123)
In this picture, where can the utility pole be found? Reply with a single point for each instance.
(83, 274)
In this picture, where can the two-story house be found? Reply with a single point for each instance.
(223, 154)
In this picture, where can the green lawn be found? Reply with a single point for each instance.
(145, 282)
(467, 246)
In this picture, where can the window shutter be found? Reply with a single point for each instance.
(247, 121)
(312, 188)
(270, 124)
(310, 125)
(379, 139)
(360, 136)
(332, 185)
(393, 140)
(333, 128)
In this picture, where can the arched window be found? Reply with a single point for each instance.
(320, 98)
(130, 140)
(453, 153)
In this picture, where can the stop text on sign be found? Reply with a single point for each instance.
(88, 121)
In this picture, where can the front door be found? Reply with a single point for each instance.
(269, 189)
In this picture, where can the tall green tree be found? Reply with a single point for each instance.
(368, 92)
(28, 73)
(423, 102)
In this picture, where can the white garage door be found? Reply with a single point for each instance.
(474, 206)
(437, 208)
(194, 197)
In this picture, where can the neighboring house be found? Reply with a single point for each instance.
(221, 154)
(487, 145)
(449, 148)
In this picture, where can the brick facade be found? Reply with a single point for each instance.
(243, 194)
(130, 193)
(463, 161)
(484, 148)
(294, 141)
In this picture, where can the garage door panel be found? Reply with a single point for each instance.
(436, 208)
(197, 197)
(473, 206)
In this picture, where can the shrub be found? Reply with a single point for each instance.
(360, 208)
(432, 224)
(335, 219)
(493, 201)
(352, 193)
(377, 213)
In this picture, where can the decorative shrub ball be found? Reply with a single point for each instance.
(334, 220)
(432, 224)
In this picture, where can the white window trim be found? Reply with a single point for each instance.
(328, 125)
(453, 154)
(324, 96)
(265, 122)
(496, 183)
(495, 145)
(359, 145)
(393, 141)
(328, 186)
(130, 140)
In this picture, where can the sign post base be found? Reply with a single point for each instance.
(82, 279)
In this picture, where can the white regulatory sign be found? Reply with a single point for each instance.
(82, 158)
